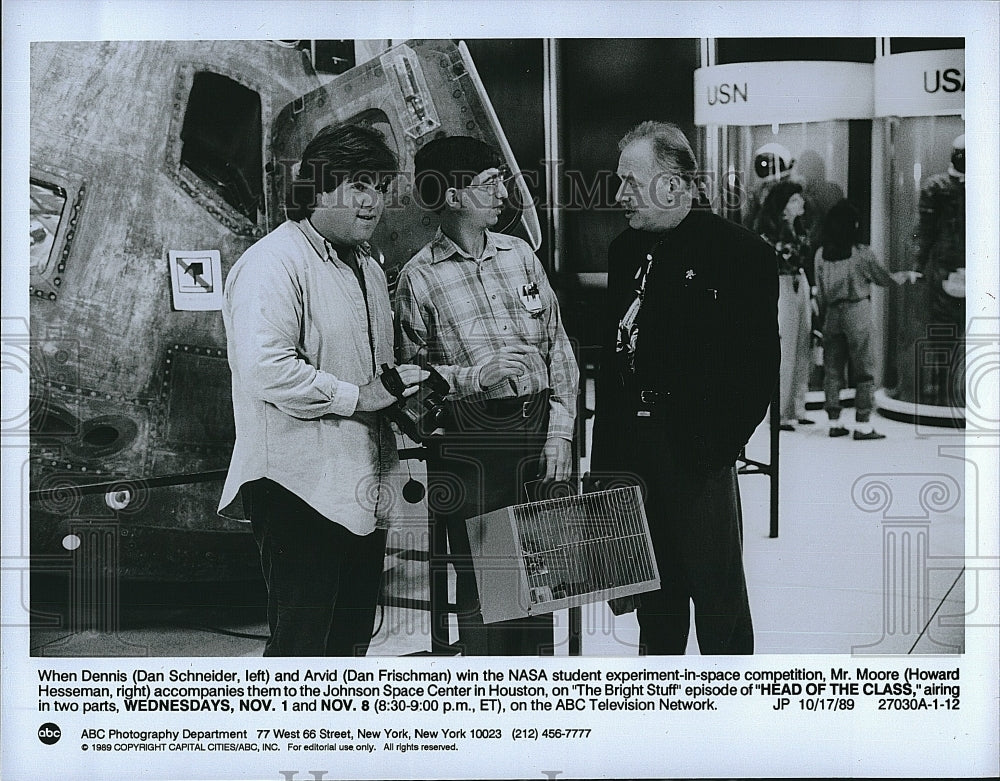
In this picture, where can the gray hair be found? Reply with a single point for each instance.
(670, 145)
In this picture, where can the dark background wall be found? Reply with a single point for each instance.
(773, 49)
(512, 71)
(608, 87)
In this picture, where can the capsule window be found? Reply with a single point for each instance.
(104, 436)
(101, 436)
(221, 141)
(50, 422)
(48, 202)
(332, 56)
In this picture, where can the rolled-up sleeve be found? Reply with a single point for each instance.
(264, 314)
(872, 270)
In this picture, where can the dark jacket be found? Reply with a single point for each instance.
(707, 344)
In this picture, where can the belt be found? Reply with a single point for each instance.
(526, 405)
(849, 301)
(508, 414)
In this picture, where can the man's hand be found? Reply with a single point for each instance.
(374, 396)
(557, 460)
(507, 362)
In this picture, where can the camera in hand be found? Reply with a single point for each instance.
(421, 415)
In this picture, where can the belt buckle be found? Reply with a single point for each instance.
(648, 397)
(525, 409)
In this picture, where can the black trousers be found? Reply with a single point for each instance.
(322, 580)
(696, 526)
(491, 450)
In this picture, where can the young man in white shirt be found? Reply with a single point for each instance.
(308, 325)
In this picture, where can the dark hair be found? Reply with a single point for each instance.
(336, 153)
(670, 145)
(450, 162)
(771, 220)
(841, 230)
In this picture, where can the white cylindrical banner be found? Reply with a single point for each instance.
(766, 93)
(920, 84)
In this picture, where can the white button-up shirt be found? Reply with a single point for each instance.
(299, 348)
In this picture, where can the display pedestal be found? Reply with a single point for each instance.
(914, 412)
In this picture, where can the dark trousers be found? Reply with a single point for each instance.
(322, 580)
(482, 464)
(696, 526)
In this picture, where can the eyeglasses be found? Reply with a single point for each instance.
(503, 176)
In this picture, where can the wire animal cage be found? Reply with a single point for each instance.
(558, 553)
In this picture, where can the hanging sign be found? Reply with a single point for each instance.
(920, 84)
(196, 279)
(766, 93)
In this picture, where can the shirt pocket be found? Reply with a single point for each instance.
(528, 328)
(531, 305)
(700, 302)
(704, 311)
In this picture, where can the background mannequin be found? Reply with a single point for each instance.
(772, 163)
(940, 257)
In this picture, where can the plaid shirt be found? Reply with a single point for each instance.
(455, 312)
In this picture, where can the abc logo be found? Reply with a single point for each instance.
(49, 733)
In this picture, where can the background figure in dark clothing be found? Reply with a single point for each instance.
(689, 363)
(845, 271)
(781, 223)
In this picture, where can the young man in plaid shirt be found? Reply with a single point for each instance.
(478, 307)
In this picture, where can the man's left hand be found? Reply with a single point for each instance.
(557, 460)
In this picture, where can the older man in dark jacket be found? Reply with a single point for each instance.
(689, 365)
